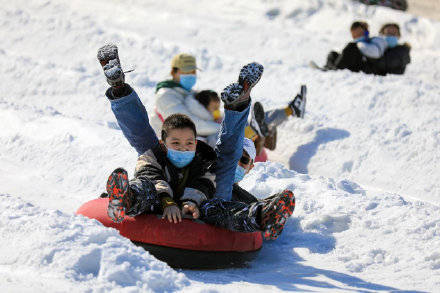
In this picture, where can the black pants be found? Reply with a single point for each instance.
(144, 198)
(231, 215)
(350, 58)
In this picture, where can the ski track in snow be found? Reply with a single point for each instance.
(364, 161)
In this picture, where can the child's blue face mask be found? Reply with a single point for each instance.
(392, 41)
(188, 81)
(360, 39)
(239, 173)
(180, 159)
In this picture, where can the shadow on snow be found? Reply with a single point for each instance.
(278, 265)
(300, 160)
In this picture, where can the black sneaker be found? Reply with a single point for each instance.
(275, 212)
(258, 120)
(109, 59)
(119, 195)
(298, 105)
(237, 94)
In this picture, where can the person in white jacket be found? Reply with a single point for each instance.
(172, 97)
(176, 96)
(356, 54)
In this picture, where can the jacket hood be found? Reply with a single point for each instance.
(168, 84)
(206, 154)
(197, 109)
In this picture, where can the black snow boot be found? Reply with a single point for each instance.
(258, 120)
(120, 198)
(298, 105)
(236, 96)
(275, 212)
(109, 59)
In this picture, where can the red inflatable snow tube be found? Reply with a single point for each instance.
(189, 244)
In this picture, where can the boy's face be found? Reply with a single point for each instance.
(213, 106)
(357, 32)
(181, 139)
(391, 31)
(246, 162)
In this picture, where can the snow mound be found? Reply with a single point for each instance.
(365, 158)
(46, 245)
(359, 229)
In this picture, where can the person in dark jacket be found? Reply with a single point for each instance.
(355, 55)
(396, 57)
(176, 173)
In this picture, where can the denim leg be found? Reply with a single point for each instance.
(231, 215)
(229, 150)
(132, 117)
(275, 117)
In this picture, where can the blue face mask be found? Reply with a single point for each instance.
(392, 41)
(180, 159)
(188, 81)
(360, 39)
(239, 174)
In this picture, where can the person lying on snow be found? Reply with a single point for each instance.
(356, 54)
(262, 127)
(174, 176)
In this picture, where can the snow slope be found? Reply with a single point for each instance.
(363, 163)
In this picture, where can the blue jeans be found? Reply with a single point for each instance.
(229, 149)
(275, 117)
(132, 117)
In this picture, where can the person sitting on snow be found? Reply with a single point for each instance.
(177, 170)
(356, 54)
(175, 96)
(396, 57)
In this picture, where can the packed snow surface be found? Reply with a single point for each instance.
(364, 163)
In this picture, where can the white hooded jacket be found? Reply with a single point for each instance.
(375, 48)
(174, 100)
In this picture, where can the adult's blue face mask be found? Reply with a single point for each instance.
(188, 81)
(239, 173)
(392, 41)
(180, 159)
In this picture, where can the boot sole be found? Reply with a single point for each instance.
(237, 93)
(108, 57)
(249, 76)
(106, 53)
(117, 189)
(278, 214)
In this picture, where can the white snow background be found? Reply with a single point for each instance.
(364, 163)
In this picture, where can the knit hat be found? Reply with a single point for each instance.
(249, 147)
